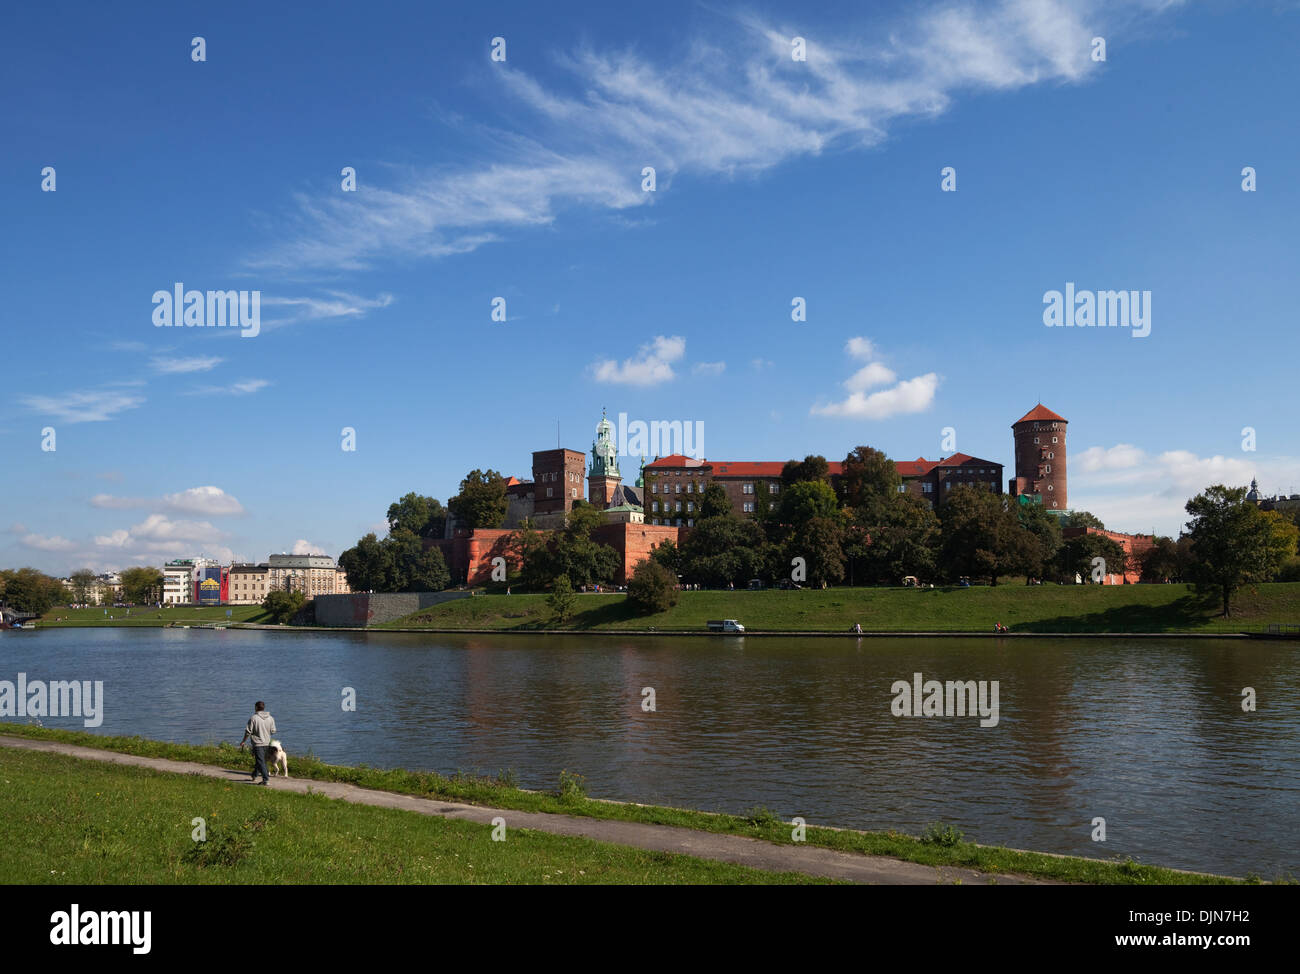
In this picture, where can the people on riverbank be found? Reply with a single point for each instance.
(260, 728)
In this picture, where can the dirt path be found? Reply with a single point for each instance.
(740, 850)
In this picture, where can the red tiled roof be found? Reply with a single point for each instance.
(963, 459)
(733, 468)
(1039, 414)
(914, 468)
(677, 460)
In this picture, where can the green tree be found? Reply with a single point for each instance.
(895, 538)
(283, 606)
(562, 600)
(1166, 559)
(715, 502)
(652, 588)
(805, 500)
(1077, 554)
(1234, 542)
(481, 502)
(141, 585)
(29, 590)
(83, 580)
(1043, 546)
(1083, 519)
(422, 516)
(411, 566)
(811, 468)
(820, 543)
(866, 474)
(979, 536)
(722, 550)
(669, 555)
(368, 565)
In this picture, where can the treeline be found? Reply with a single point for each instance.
(29, 590)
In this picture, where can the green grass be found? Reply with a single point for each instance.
(145, 616)
(570, 799)
(1039, 608)
(65, 820)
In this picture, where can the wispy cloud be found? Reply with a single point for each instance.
(736, 103)
(86, 406)
(651, 366)
(243, 388)
(338, 304)
(709, 368)
(179, 366)
(304, 547)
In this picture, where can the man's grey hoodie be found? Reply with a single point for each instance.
(261, 728)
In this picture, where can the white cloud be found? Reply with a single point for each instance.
(179, 366)
(88, 406)
(651, 366)
(869, 376)
(305, 547)
(910, 396)
(212, 501)
(1133, 490)
(861, 348)
(709, 368)
(736, 103)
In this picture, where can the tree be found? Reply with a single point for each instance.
(894, 539)
(980, 536)
(715, 502)
(142, 585)
(1234, 542)
(29, 590)
(562, 600)
(368, 565)
(1045, 532)
(481, 502)
(819, 543)
(865, 474)
(83, 580)
(722, 550)
(810, 468)
(571, 552)
(669, 555)
(424, 517)
(283, 606)
(1083, 519)
(805, 500)
(1077, 556)
(1167, 559)
(411, 566)
(652, 588)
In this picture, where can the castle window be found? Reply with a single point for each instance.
(679, 505)
(690, 522)
(548, 491)
(749, 507)
(678, 491)
(1051, 456)
(1049, 487)
(1053, 439)
(1048, 468)
(1035, 439)
(654, 488)
(927, 488)
(690, 488)
(690, 507)
(902, 488)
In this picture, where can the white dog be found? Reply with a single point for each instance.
(277, 759)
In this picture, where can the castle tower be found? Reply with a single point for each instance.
(1040, 459)
(603, 478)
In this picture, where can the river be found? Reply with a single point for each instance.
(1148, 734)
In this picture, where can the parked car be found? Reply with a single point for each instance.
(789, 585)
(725, 625)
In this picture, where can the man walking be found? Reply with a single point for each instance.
(261, 728)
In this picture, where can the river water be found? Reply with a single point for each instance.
(1148, 734)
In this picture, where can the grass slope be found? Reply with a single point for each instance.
(145, 616)
(570, 799)
(65, 820)
(1039, 608)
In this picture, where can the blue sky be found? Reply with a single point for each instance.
(522, 179)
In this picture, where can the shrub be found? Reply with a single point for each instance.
(937, 833)
(573, 787)
(652, 588)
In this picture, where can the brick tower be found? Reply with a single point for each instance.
(1040, 459)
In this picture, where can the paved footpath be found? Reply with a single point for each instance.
(740, 850)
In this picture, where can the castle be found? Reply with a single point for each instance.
(666, 495)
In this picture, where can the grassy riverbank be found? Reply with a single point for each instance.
(145, 616)
(71, 821)
(1039, 608)
(570, 799)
